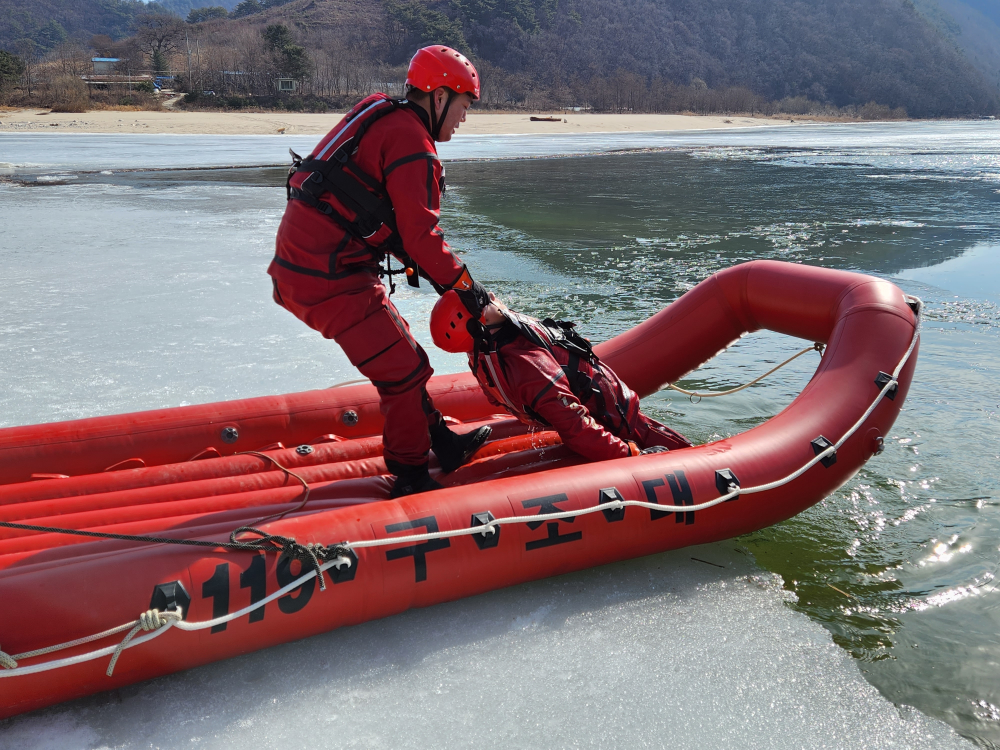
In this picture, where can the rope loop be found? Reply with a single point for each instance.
(288, 473)
(312, 553)
(692, 395)
(7, 661)
(307, 553)
(151, 619)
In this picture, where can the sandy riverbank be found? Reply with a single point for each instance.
(264, 123)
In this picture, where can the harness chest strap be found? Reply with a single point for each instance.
(547, 334)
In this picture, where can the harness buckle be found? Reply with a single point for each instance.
(363, 228)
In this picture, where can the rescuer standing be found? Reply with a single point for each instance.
(370, 189)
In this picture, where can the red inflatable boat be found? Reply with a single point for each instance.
(341, 553)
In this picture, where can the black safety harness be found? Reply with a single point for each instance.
(355, 189)
(547, 334)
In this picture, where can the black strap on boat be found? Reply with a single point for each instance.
(311, 553)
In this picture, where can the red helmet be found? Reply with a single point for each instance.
(437, 66)
(450, 324)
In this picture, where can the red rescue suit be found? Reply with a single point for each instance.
(327, 254)
(546, 374)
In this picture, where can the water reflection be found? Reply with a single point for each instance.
(658, 209)
(900, 564)
(975, 273)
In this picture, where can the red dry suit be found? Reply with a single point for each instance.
(333, 236)
(545, 373)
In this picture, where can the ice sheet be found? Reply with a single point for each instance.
(665, 651)
(822, 143)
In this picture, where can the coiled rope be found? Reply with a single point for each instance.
(161, 622)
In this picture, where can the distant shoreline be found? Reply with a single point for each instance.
(202, 122)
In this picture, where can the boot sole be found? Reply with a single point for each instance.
(481, 436)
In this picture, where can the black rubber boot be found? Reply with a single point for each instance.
(410, 480)
(453, 449)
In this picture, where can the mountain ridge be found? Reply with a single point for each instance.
(839, 53)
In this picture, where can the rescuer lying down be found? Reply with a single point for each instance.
(546, 374)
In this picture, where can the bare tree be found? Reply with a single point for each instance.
(73, 58)
(159, 35)
(130, 56)
(27, 50)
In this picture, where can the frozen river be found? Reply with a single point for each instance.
(124, 291)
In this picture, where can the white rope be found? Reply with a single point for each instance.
(135, 625)
(713, 394)
(69, 644)
(149, 620)
(618, 504)
(350, 382)
(161, 622)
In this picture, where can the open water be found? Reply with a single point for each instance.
(126, 290)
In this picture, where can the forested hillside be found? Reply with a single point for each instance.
(649, 55)
(839, 52)
(46, 24)
(971, 25)
(184, 7)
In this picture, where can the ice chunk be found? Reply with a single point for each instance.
(667, 650)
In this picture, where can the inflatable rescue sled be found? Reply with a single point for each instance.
(90, 600)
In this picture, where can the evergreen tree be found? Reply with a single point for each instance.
(159, 62)
(292, 58)
(247, 8)
(419, 26)
(11, 69)
(200, 15)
